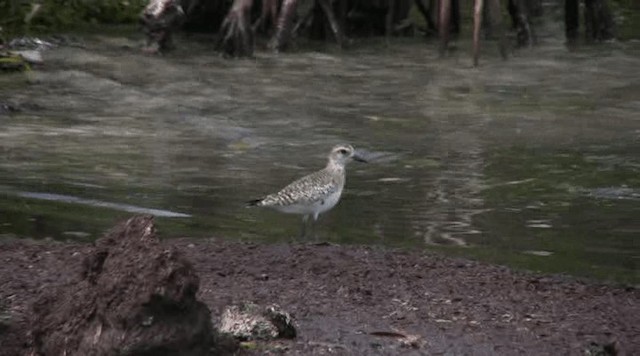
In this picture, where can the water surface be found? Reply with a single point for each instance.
(532, 162)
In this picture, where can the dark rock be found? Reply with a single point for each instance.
(605, 349)
(282, 321)
(134, 296)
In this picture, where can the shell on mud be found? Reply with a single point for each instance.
(252, 322)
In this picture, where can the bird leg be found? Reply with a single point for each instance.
(313, 228)
(303, 228)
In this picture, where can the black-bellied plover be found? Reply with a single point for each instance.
(315, 193)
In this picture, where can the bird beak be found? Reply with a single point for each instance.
(358, 157)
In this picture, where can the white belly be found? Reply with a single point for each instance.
(315, 208)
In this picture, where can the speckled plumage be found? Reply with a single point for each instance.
(317, 192)
(308, 190)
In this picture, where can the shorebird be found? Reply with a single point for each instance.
(315, 193)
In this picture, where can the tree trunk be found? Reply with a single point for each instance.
(333, 21)
(283, 30)
(519, 11)
(428, 17)
(443, 25)
(495, 16)
(343, 9)
(268, 17)
(455, 16)
(528, 34)
(598, 21)
(535, 8)
(477, 21)
(388, 26)
(571, 16)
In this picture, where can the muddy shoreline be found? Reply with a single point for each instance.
(365, 300)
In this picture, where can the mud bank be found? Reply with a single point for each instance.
(360, 300)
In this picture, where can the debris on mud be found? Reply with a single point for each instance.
(406, 340)
(134, 296)
(251, 322)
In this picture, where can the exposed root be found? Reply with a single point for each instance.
(283, 29)
(236, 33)
(160, 19)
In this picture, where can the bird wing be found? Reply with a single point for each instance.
(307, 189)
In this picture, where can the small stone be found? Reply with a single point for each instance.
(282, 320)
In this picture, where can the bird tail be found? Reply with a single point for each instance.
(254, 202)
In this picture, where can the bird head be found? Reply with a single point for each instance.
(343, 154)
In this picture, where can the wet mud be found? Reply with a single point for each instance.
(343, 299)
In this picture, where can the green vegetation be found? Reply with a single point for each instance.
(24, 17)
(13, 62)
(628, 21)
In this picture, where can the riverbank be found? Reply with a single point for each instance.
(365, 300)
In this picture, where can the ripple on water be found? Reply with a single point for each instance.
(494, 158)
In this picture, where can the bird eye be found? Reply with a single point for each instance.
(342, 151)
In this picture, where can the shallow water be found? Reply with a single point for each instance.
(532, 162)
